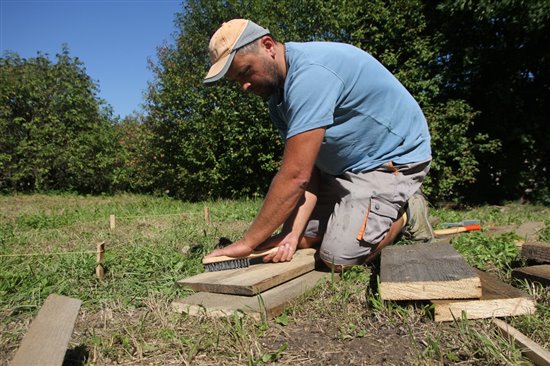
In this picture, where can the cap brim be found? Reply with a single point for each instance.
(219, 69)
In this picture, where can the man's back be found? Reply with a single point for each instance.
(370, 118)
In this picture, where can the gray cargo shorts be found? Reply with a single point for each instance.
(355, 211)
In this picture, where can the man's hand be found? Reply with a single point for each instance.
(286, 244)
(237, 250)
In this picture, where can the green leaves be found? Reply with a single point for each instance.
(495, 57)
(478, 69)
(54, 133)
(218, 142)
(208, 142)
(488, 253)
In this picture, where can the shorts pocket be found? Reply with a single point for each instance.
(377, 221)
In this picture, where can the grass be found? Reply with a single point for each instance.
(47, 244)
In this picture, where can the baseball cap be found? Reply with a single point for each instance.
(231, 36)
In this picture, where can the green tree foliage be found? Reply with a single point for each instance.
(54, 132)
(480, 71)
(218, 142)
(207, 142)
(135, 160)
(496, 57)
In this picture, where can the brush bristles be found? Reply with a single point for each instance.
(232, 264)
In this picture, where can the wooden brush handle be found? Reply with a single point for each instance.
(224, 258)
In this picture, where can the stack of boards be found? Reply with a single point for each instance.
(427, 272)
(539, 252)
(261, 290)
(438, 273)
(535, 252)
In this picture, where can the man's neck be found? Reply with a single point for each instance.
(281, 60)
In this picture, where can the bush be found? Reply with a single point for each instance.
(55, 134)
(217, 142)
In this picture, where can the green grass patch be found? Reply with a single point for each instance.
(48, 244)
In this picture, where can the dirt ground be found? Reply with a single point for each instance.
(317, 344)
(351, 331)
(406, 342)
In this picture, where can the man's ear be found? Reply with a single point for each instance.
(268, 44)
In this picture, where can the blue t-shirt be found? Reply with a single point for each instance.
(369, 116)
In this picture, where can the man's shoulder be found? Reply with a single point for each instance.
(334, 55)
(319, 46)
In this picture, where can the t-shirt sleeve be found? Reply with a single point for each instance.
(311, 99)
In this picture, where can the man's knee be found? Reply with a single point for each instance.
(337, 268)
(338, 263)
(309, 242)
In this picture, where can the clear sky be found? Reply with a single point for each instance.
(113, 38)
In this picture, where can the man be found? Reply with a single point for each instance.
(357, 147)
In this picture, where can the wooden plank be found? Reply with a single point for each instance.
(497, 299)
(536, 250)
(254, 279)
(530, 231)
(500, 230)
(426, 272)
(271, 302)
(540, 274)
(48, 336)
(532, 350)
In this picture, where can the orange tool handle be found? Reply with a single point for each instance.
(456, 230)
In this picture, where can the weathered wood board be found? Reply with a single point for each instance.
(498, 299)
(530, 231)
(426, 272)
(270, 303)
(46, 341)
(536, 250)
(540, 274)
(254, 279)
(532, 350)
(499, 230)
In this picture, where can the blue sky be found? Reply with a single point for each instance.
(113, 38)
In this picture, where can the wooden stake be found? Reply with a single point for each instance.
(99, 270)
(112, 222)
(207, 215)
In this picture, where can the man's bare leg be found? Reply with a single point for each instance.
(392, 234)
(308, 242)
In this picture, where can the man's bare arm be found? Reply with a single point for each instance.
(285, 192)
(292, 232)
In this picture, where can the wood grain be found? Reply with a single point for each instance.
(540, 274)
(530, 231)
(48, 336)
(498, 299)
(539, 251)
(532, 350)
(254, 279)
(426, 272)
(269, 303)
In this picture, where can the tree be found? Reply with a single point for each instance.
(218, 142)
(208, 142)
(55, 133)
(135, 159)
(496, 57)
